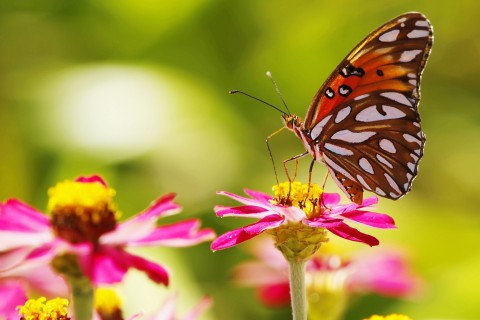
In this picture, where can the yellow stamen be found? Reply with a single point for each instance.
(389, 317)
(108, 303)
(82, 211)
(71, 193)
(41, 309)
(299, 195)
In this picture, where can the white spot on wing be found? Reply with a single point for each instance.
(380, 191)
(409, 55)
(413, 82)
(397, 97)
(409, 176)
(410, 138)
(392, 183)
(411, 166)
(389, 36)
(317, 130)
(384, 161)
(387, 145)
(342, 114)
(353, 137)
(371, 114)
(402, 19)
(422, 23)
(334, 166)
(365, 165)
(360, 97)
(338, 150)
(411, 75)
(394, 195)
(418, 34)
(362, 182)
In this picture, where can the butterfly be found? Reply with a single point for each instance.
(363, 123)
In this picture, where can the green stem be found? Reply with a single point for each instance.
(82, 296)
(297, 289)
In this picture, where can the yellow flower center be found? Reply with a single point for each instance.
(389, 317)
(41, 309)
(108, 304)
(82, 211)
(303, 196)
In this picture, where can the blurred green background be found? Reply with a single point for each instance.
(137, 91)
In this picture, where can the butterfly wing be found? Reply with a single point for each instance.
(365, 119)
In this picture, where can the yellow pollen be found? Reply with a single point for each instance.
(299, 195)
(389, 317)
(43, 309)
(78, 194)
(107, 302)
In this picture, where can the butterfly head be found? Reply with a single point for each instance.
(291, 121)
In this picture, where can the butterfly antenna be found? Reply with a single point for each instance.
(269, 75)
(255, 98)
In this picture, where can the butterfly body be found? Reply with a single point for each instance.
(363, 123)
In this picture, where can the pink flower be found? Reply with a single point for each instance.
(319, 210)
(24, 277)
(84, 221)
(381, 271)
(168, 310)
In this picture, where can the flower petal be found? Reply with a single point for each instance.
(259, 196)
(349, 233)
(246, 201)
(13, 295)
(242, 211)
(142, 224)
(197, 311)
(330, 199)
(237, 236)
(373, 219)
(275, 295)
(180, 234)
(108, 265)
(18, 216)
(91, 179)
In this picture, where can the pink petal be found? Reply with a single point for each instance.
(142, 224)
(91, 179)
(13, 240)
(108, 265)
(259, 196)
(373, 219)
(349, 233)
(323, 223)
(237, 236)
(275, 296)
(12, 295)
(11, 258)
(18, 216)
(242, 211)
(255, 273)
(180, 234)
(330, 199)
(197, 311)
(167, 310)
(246, 201)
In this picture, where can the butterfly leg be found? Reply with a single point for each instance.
(270, 151)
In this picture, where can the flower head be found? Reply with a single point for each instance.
(43, 309)
(299, 211)
(332, 276)
(84, 222)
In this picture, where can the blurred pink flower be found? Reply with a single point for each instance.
(382, 271)
(84, 221)
(329, 214)
(24, 277)
(168, 310)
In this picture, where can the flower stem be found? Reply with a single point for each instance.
(82, 296)
(297, 289)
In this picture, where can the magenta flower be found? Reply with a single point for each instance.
(384, 272)
(291, 206)
(24, 277)
(83, 220)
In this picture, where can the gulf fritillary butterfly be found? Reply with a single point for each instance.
(363, 123)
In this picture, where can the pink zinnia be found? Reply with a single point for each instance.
(384, 272)
(299, 205)
(83, 221)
